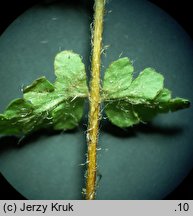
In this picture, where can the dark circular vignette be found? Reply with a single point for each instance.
(11, 9)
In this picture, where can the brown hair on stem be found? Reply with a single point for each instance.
(94, 99)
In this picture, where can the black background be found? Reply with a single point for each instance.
(179, 10)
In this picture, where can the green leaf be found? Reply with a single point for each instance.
(59, 105)
(40, 85)
(147, 111)
(18, 107)
(118, 77)
(68, 115)
(71, 75)
(121, 113)
(42, 94)
(137, 100)
(146, 86)
(7, 127)
(20, 118)
(164, 96)
(178, 103)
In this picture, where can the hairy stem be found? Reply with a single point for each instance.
(94, 98)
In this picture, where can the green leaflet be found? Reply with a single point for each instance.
(145, 87)
(118, 75)
(67, 115)
(60, 105)
(121, 113)
(42, 94)
(137, 100)
(44, 104)
(20, 118)
(70, 75)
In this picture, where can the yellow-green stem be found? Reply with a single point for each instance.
(94, 98)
